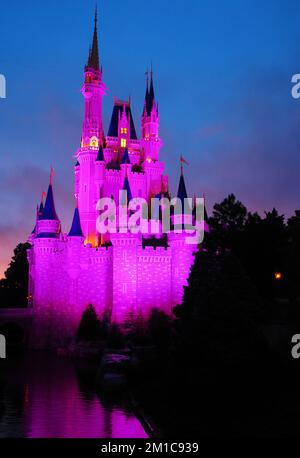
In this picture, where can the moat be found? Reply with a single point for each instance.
(44, 396)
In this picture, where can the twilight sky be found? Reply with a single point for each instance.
(222, 74)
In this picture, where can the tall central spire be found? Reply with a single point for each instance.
(93, 60)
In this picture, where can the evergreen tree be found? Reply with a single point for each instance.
(90, 327)
(14, 287)
(160, 328)
(292, 259)
(218, 319)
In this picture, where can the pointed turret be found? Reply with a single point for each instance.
(100, 157)
(151, 96)
(93, 59)
(181, 193)
(126, 187)
(125, 158)
(146, 96)
(48, 224)
(150, 142)
(49, 212)
(76, 230)
(36, 218)
(40, 209)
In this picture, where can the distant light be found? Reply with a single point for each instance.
(149, 160)
(278, 275)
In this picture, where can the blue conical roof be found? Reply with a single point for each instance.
(93, 59)
(100, 156)
(49, 208)
(40, 210)
(182, 194)
(146, 98)
(125, 158)
(150, 100)
(76, 230)
(126, 187)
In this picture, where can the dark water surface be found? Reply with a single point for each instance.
(42, 395)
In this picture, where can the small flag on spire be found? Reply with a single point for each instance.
(182, 160)
(52, 174)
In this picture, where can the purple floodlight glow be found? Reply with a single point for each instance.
(124, 273)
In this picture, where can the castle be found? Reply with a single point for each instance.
(122, 274)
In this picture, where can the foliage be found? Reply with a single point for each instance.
(14, 287)
(112, 165)
(160, 328)
(137, 168)
(116, 337)
(90, 328)
(259, 243)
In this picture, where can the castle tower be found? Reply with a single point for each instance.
(93, 90)
(150, 141)
(43, 263)
(48, 223)
(86, 191)
(182, 252)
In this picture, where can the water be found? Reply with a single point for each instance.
(43, 396)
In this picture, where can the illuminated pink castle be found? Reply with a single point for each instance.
(123, 274)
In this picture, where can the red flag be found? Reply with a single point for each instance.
(182, 160)
(52, 174)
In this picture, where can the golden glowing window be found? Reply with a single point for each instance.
(123, 130)
(94, 141)
(123, 143)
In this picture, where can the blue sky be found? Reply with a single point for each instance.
(222, 74)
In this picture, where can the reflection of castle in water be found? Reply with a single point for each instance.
(51, 397)
(124, 274)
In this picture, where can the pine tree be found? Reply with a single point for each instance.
(89, 328)
(14, 287)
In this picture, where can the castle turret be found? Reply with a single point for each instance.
(87, 190)
(150, 141)
(48, 223)
(181, 193)
(76, 230)
(93, 90)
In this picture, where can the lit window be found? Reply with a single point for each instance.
(123, 130)
(123, 143)
(148, 160)
(94, 141)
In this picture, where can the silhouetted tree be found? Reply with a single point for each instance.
(160, 328)
(14, 287)
(259, 243)
(89, 328)
(116, 338)
(220, 311)
(292, 260)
